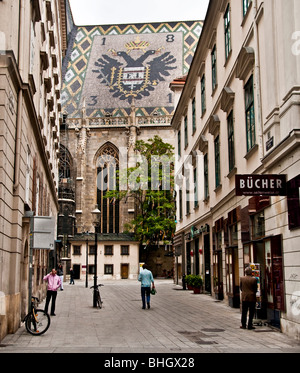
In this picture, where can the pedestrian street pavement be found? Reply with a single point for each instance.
(178, 322)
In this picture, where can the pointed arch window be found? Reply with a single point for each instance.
(107, 168)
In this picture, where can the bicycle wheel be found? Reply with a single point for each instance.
(99, 301)
(38, 324)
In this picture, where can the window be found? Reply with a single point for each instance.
(76, 250)
(203, 99)
(227, 32)
(246, 4)
(107, 168)
(258, 225)
(233, 234)
(179, 143)
(108, 269)
(195, 188)
(187, 196)
(27, 182)
(108, 250)
(124, 249)
(206, 189)
(231, 154)
(186, 140)
(214, 68)
(180, 204)
(217, 161)
(92, 250)
(250, 114)
(194, 114)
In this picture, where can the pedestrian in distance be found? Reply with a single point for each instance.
(146, 279)
(53, 284)
(60, 273)
(248, 287)
(72, 276)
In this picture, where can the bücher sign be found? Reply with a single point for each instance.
(266, 185)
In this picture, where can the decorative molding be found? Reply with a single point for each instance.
(214, 125)
(203, 144)
(227, 99)
(212, 40)
(245, 63)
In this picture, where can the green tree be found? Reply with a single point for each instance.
(150, 183)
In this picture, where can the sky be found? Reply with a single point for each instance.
(109, 12)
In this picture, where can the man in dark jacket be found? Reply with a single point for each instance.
(248, 287)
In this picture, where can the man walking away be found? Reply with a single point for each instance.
(53, 284)
(72, 276)
(60, 273)
(248, 287)
(146, 279)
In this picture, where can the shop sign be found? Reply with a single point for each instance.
(196, 232)
(267, 185)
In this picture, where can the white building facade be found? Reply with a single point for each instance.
(239, 115)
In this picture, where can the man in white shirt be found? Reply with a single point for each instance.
(146, 279)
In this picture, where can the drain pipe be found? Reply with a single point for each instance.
(258, 83)
(19, 104)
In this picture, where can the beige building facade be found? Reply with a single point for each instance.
(238, 116)
(32, 44)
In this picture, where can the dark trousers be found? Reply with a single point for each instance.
(50, 294)
(145, 295)
(248, 306)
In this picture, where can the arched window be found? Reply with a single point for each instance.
(107, 168)
(64, 163)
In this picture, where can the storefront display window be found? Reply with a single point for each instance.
(233, 234)
(246, 256)
(229, 271)
(258, 227)
(268, 264)
(217, 259)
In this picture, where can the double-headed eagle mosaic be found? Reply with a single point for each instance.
(129, 78)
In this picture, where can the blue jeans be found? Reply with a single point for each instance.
(145, 295)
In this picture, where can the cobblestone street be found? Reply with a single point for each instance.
(177, 322)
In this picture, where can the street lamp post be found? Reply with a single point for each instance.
(96, 222)
(87, 261)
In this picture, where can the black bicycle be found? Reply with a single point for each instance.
(97, 295)
(37, 321)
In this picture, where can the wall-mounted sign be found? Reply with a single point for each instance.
(196, 232)
(267, 185)
(42, 232)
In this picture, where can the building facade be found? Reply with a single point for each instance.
(116, 91)
(32, 44)
(237, 117)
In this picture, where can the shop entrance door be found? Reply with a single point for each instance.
(218, 275)
(268, 253)
(207, 279)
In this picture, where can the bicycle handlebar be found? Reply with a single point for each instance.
(93, 287)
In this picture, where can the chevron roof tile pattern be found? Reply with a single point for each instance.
(138, 81)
